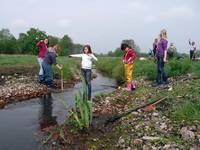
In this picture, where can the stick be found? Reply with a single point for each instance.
(117, 117)
(62, 86)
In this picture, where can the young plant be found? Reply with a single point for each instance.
(81, 114)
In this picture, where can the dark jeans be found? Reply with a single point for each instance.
(48, 73)
(161, 76)
(87, 75)
(192, 55)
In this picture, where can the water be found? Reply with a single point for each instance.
(21, 123)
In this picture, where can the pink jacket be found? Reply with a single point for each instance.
(42, 49)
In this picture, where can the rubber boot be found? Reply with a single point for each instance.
(133, 85)
(128, 87)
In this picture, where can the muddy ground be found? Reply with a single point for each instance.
(147, 130)
(20, 83)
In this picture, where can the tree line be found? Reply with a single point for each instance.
(26, 42)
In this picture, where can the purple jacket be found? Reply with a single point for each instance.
(161, 47)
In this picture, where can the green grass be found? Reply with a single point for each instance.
(70, 65)
(113, 67)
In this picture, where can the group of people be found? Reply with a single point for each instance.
(47, 57)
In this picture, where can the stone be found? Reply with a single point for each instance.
(150, 138)
(137, 142)
(2, 103)
(187, 134)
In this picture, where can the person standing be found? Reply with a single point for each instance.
(161, 57)
(86, 67)
(128, 58)
(42, 45)
(192, 49)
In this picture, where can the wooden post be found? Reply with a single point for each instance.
(62, 86)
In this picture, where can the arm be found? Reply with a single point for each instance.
(133, 56)
(76, 55)
(94, 57)
(39, 44)
(165, 52)
(190, 42)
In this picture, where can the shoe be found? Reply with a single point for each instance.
(166, 82)
(133, 85)
(128, 87)
(156, 84)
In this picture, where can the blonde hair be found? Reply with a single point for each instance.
(163, 33)
(56, 48)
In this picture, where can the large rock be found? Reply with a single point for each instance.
(187, 134)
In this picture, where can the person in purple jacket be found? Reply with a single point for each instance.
(161, 57)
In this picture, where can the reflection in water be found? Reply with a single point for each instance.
(46, 117)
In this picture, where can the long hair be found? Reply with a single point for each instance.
(89, 49)
(163, 33)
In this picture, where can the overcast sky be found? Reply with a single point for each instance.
(105, 23)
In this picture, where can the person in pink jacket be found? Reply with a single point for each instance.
(42, 45)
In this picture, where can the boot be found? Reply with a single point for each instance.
(41, 79)
(128, 87)
(133, 85)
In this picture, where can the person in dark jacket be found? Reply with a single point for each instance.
(49, 60)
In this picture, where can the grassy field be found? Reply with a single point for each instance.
(114, 68)
(70, 65)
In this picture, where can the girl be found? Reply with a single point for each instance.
(192, 50)
(86, 67)
(49, 60)
(128, 58)
(161, 56)
(42, 45)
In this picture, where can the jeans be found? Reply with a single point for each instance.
(161, 76)
(87, 75)
(192, 55)
(40, 60)
(48, 73)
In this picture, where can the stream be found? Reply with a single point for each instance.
(21, 123)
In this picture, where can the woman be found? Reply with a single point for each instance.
(86, 67)
(161, 56)
(42, 45)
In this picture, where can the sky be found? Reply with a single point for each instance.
(105, 23)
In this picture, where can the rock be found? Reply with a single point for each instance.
(2, 104)
(135, 113)
(187, 134)
(170, 147)
(150, 138)
(192, 128)
(170, 88)
(121, 143)
(137, 142)
(155, 114)
(163, 126)
(195, 148)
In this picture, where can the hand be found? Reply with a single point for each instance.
(165, 60)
